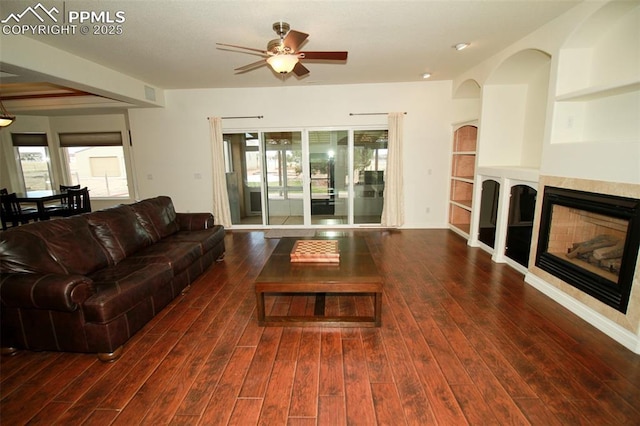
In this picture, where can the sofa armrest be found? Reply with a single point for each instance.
(45, 291)
(194, 221)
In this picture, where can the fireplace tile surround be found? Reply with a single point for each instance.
(624, 327)
(590, 240)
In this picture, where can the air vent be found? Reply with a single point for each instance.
(149, 93)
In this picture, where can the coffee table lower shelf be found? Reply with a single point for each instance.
(318, 319)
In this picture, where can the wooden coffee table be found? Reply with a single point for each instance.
(356, 273)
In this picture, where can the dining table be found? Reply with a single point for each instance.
(39, 198)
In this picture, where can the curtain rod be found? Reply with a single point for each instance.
(246, 116)
(371, 113)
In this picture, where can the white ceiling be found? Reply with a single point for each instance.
(171, 44)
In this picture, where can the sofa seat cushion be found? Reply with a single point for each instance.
(178, 255)
(207, 238)
(121, 287)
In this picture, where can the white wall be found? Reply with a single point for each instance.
(172, 145)
(502, 125)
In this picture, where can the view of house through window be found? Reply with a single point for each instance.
(96, 160)
(333, 177)
(34, 163)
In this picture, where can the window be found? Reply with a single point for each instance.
(34, 164)
(97, 161)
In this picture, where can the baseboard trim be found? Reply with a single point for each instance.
(608, 327)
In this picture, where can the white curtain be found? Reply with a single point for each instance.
(393, 207)
(221, 210)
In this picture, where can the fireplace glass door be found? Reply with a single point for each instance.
(594, 242)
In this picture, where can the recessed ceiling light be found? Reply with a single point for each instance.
(426, 75)
(461, 46)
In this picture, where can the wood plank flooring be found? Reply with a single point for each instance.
(463, 341)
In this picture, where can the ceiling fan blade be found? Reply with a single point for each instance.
(294, 39)
(264, 52)
(300, 70)
(329, 56)
(250, 66)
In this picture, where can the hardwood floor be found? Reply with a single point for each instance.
(463, 340)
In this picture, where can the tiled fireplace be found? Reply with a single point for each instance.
(590, 240)
(584, 252)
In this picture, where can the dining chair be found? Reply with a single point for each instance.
(63, 204)
(4, 191)
(78, 201)
(12, 213)
(67, 187)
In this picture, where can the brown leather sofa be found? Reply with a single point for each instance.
(88, 283)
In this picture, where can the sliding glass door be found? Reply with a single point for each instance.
(369, 166)
(303, 178)
(329, 177)
(284, 178)
(243, 162)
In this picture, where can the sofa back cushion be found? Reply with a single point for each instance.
(60, 246)
(23, 252)
(119, 231)
(157, 216)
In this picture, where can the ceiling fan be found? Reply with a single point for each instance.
(282, 53)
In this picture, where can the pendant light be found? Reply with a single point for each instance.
(6, 119)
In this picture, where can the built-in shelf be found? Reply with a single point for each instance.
(464, 204)
(599, 92)
(468, 179)
(601, 106)
(463, 166)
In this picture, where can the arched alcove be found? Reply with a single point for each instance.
(598, 89)
(466, 111)
(514, 104)
(520, 68)
(468, 89)
(466, 101)
(603, 51)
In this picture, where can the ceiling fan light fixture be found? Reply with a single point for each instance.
(283, 63)
(6, 119)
